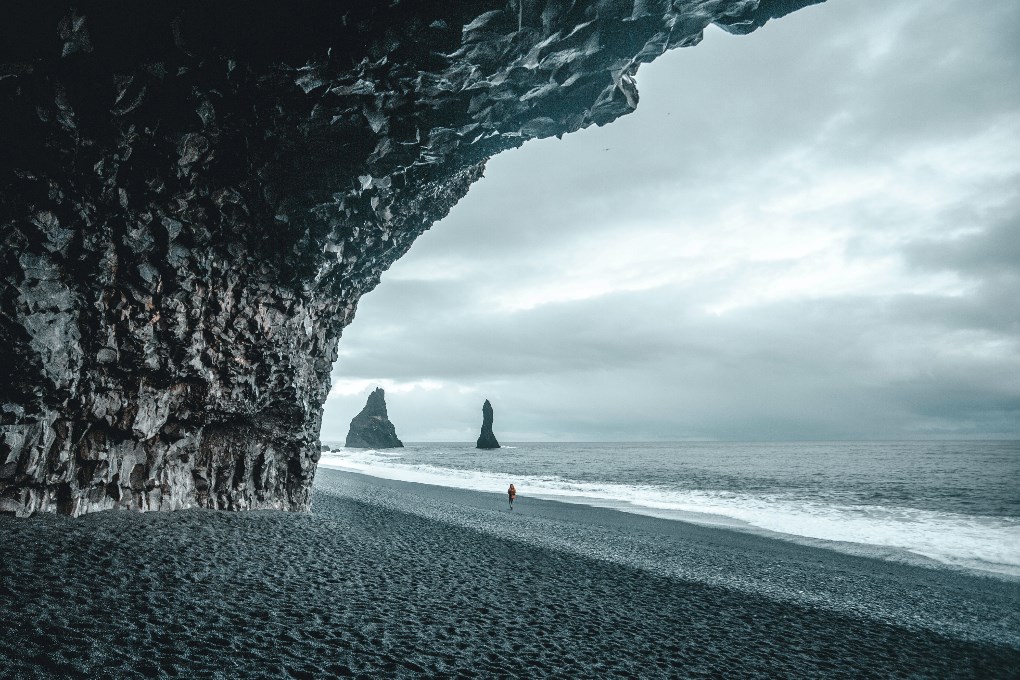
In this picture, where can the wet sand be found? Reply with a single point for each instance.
(390, 579)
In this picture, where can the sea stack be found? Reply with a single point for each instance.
(372, 429)
(487, 440)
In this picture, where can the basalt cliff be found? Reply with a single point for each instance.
(194, 196)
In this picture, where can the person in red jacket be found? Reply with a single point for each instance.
(512, 494)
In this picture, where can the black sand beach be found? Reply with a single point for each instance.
(391, 579)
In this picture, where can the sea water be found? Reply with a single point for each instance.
(957, 503)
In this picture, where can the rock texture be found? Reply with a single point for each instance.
(486, 439)
(372, 429)
(194, 196)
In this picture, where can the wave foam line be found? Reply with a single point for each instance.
(977, 542)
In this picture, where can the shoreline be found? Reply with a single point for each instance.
(924, 535)
(948, 599)
(399, 580)
(723, 522)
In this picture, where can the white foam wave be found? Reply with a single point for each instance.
(986, 543)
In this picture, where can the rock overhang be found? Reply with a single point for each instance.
(193, 197)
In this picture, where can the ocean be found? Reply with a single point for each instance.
(953, 503)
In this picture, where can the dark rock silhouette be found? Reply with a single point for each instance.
(194, 196)
(372, 429)
(487, 440)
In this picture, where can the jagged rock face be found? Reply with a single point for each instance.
(194, 196)
(486, 439)
(372, 429)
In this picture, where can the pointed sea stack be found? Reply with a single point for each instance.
(372, 429)
(487, 440)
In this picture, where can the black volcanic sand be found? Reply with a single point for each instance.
(386, 578)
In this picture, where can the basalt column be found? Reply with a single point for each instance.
(194, 196)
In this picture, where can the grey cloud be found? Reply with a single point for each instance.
(951, 70)
(993, 250)
(551, 339)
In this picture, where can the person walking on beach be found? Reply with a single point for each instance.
(512, 494)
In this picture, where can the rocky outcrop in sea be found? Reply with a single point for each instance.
(486, 439)
(372, 429)
(194, 197)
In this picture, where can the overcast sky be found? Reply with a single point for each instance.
(810, 232)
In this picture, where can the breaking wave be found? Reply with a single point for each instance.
(976, 542)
